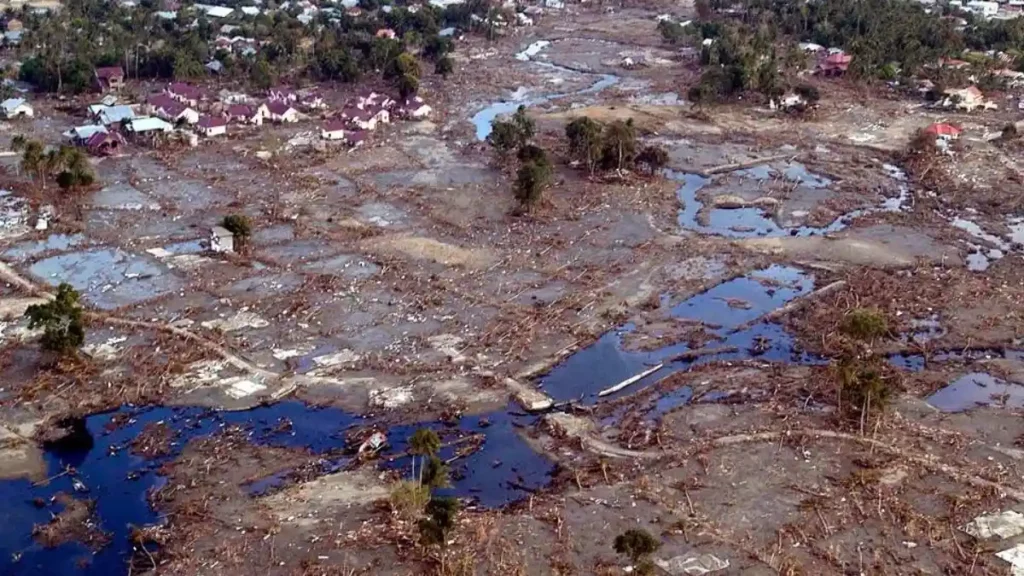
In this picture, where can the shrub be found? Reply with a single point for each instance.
(408, 499)
(864, 324)
(637, 545)
(61, 321)
(238, 225)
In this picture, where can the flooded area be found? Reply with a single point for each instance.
(617, 355)
(976, 390)
(736, 217)
(729, 311)
(106, 471)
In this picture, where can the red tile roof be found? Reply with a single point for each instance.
(334, 125)
(211, 121)
(943, 129)
(278, 107)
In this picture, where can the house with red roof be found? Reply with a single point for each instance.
(247, 113)
(103, 143)
(164, 106)
(185, 93)
(282, 111)
(109, 78)
(355, 138)
(334, 129)
(210, 126)
(835, 64)
(944, 131)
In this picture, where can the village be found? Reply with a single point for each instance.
(468, 288)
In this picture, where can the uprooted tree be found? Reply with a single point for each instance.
(61, 320)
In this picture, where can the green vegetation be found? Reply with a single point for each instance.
(61, 49)
(408, 499)
(61, 320)
(70, 165)
(76, 172)
(239, 226)
(425, 444)
(444, 66)
(637, 545)
(864, 324)
(439, 521)
(753, 49)
(509, 135)
(533, 177)
(585, 143)
(618, 145)
(863, 391)
(652, 158)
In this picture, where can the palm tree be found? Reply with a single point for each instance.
(32, 157)
(423, 443)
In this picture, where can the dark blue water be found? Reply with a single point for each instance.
(503, 470)
(916, 362)
(606, 363)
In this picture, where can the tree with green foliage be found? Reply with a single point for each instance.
(524, 124)
(512, 134)
(671, 32)
(33, 160)
(585, 141)
(240, 227)
(186, 66)
(619, 145)
(865, 324)
(531, 180)
(425, 444)
(445, 66)
(652, 158)
(637, 545)
(438, 47)
(262, 74)
(61, 320)
(408, 85)
(76, 172)
(441, 514)
(404, 64)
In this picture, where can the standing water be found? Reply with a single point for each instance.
(502, 470)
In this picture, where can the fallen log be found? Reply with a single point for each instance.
(630, 381)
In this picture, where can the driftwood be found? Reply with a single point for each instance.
(794, 305)
(694, 354)
(741, 165)
(631, 380)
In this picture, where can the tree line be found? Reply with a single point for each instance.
(60, 50)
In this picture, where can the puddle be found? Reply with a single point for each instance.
(727, 306)
(483, 119)
(668, 402)
(503, 470)
(54, 243)
(750, 222)
(916, 362)
(977, 389)
(108, 278)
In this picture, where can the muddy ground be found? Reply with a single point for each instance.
(223, 399)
